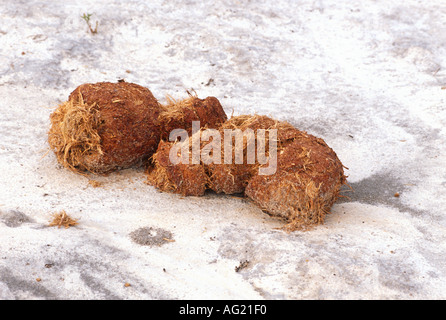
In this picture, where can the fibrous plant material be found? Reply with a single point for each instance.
(62, 219)
(105, 126)
(301, 190)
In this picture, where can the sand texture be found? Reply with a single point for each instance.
(367, 77)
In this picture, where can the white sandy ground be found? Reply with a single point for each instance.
(366, 76)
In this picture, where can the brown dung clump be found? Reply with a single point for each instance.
(307, 182)
(179, 114)
(301, 191)
(105, 126)
(185, 179)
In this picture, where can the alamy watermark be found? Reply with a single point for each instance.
(190, 151)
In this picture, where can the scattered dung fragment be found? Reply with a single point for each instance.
(243, 264)
(62, 219)
(95, 183)
(148, 236)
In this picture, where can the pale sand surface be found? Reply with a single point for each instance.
(366, 76)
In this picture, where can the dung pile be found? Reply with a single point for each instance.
(105, 126)
(108, 126)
